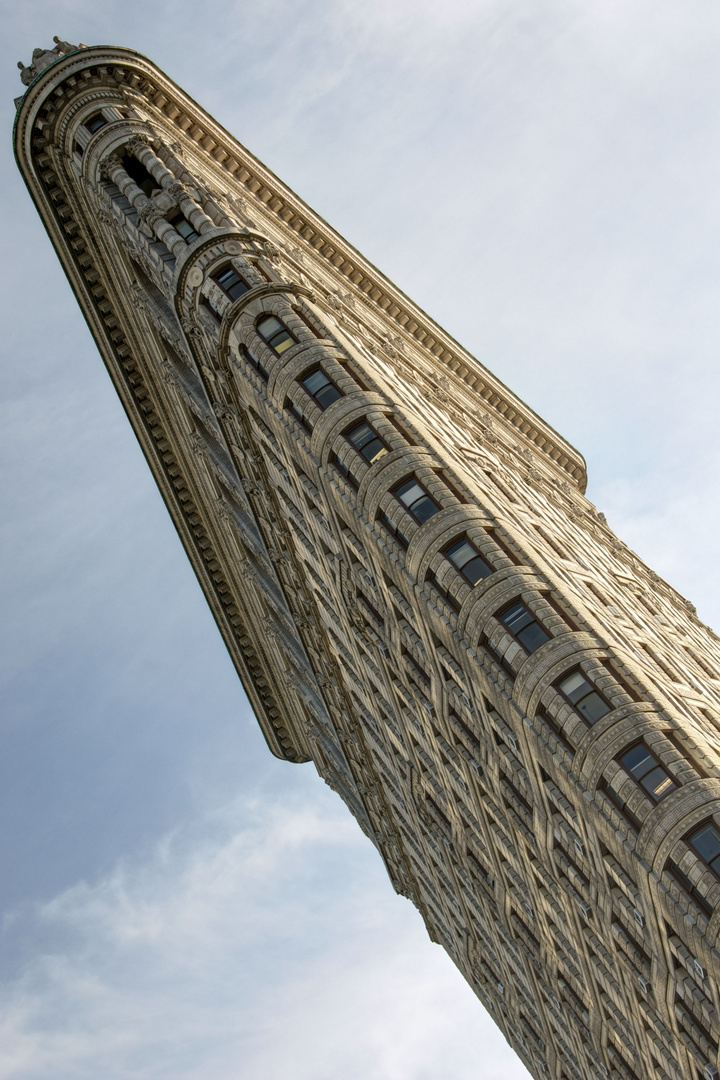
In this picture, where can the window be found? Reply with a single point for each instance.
(78, 149)
(644, 767)
(367, 442)
(137, 172)
(181, 225)
(95, 123)
(277, 336)
(524, 627)
(583, 696)
(392, 528)
(297, 413)
(706, 842)
(321, 388)
(255, 363)
(468, 560)
(684, 881)
(345, 470)
(230, 281)
(207, 304)
(416, 500)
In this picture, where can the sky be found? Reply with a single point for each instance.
(541, 177)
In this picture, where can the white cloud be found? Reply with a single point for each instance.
(235, 953)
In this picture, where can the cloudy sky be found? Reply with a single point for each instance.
(542, 177)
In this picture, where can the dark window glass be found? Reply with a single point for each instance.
(230, 282)
(416, 499)
(181, 225)
(584, 697)
(706, 841)
(648, 772)
(275, 334)
(137, 172)
(319, 387)
(95, 123)
(367, 442)
(468, 561)
(524, 627)
(78, 149)
(254, 362)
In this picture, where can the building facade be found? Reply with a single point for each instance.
(417, 597)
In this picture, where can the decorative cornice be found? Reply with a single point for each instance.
(133, 72)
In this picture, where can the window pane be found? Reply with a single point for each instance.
(409, 492)
(361, 435)
(424, 508)
(658, 783)
(315, 381)
(477, 570)
(269, 326)
(181, 225)
(532, 637)
(592, 707)
(461, 553)
(638, 761)
(516, 617)
(707, 842)
(575, 686)
(327, 395)
(280, 342)
(95, 123)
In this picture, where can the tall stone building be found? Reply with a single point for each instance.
(416, 595)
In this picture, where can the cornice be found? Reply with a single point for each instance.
(131, 71)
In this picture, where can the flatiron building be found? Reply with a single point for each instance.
(416, 595)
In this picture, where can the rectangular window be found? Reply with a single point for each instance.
(321, 388)
(645, 768)
(207, 304)
(391, 527)
(621, 805)
(255, 363)
(95, 123)
(583, 696)
(446, 595)
(524, 627)
(706, 842)
(181, 225)
(416, 500)
(465, 557)
(345, 470)
(229, 281)
(367, 442)
(297, 413)
(139, 174)
(687, 885)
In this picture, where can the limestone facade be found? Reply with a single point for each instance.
(417, 596)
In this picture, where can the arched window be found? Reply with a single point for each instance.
(524, 627)
(229, 281)
(465, 557)
(647, 771)
(584, 698)
(413, 496)
(366, 441)
(321, 388)
(275, 333)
